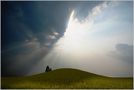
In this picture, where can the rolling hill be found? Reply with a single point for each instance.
(67, 78)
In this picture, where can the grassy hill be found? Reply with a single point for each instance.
(67, 78)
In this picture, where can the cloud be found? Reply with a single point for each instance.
(21, 59)
(56, 33)
(98, 9)
(51, 37)
(123, 52)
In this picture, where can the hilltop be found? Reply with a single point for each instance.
(66, 78)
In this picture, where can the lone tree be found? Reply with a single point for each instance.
(48, 69)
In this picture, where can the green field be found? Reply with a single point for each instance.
(67, 78)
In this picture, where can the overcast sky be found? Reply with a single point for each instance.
(93, 36)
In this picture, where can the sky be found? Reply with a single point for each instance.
(94, 36)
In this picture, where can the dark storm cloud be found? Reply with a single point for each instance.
(123, 52)
(29, 30)
(40, 19)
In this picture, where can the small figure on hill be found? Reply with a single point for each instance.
(48, 69)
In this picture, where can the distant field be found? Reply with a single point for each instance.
(67, 78)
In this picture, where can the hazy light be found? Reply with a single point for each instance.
(73, 39)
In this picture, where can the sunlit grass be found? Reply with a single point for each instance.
(67, 78)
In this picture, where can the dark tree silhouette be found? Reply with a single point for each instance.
(48, 69)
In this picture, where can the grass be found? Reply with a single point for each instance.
(66, 78)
